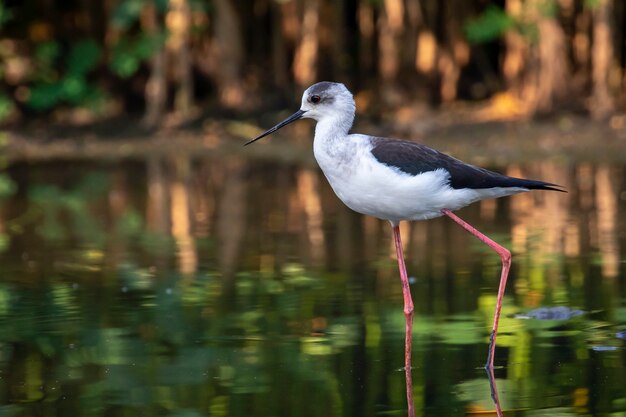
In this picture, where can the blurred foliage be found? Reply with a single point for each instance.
(8, 187)
(592, 4)
(6, 104)
(127, 12)
(493, 22)
(52, 201)
(129, 53)
(489, 26)
(98, 58)
(64, 74)
(131, 50)
(72, 86)
(5, 14)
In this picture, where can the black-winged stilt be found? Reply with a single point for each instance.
(399, 180)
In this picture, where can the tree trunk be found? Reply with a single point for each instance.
(390, 28)
(335, 41)
(414, 25)
(366, 25)
(178, 24)
(156, 88)
(279, 46)
(455, 54)
(305, 59)
(426, 52)
(581, 50)
(602, 55)
(550, 80)
(515, 51)
(229, 53)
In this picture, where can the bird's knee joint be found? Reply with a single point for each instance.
(506, 256)
(408, 311)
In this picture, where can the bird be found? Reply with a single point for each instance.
(399, 180)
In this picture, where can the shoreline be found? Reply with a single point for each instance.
(568, 138)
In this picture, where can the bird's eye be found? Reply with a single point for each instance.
(315, 99)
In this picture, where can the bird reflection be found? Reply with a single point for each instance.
(409, 384)
(407, 366)
(494, 391)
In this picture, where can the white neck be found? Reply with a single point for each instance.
(331, 129)
(331, 145)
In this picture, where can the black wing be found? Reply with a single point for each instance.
(414, 158)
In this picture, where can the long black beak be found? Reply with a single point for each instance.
(297, 115)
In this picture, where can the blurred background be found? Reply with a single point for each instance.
(81, 61)
(151, 265)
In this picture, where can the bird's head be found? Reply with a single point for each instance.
(327, 100)
(324, 100)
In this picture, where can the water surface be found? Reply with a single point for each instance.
(223, 287)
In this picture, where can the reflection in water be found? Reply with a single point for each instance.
(539, 224)
(230, 288)
(606, 209)
(408, 365)
(157, 214)
(553, 313)
(494, 391)
(181, 216)
(310, 200)
(232, 211)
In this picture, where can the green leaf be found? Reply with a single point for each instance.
(128, 54)
(6, 107)
(127, 13)
(148, 45)
(161, 5)
(5, 15)
(5, 242)
(130, 223)
(124, 65)
(199, 5)
(73, 89)
(548, 8)
(7, 186)
(47, 52)
(489, 26)
(94, 98)
(592, 4)
(83, 57)
(45, 96)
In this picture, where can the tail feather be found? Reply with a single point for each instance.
(534, 184)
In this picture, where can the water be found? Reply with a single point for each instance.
(178, 287)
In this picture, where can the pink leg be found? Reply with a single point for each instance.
(408, 315)
(406, 290)
(506, 266)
